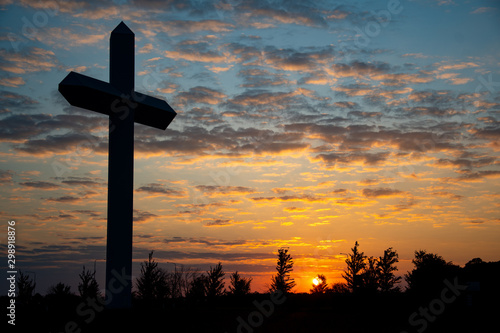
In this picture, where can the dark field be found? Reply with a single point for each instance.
(399, 312)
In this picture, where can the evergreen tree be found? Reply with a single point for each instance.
(152, 285)
(197, 286)
(239, 286)
(386, 266)
(215, 281)
(88, 287)
(355, 265)
(320, 286)
(59, 290)
(284, 266)
(25, 287)
(370, 276)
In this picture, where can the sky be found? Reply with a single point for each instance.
(302, 124)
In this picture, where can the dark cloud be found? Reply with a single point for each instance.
(204, 115)
(360, 69)
(327, 133)
(304, 197)
(259, 78)
(448, 195)
(65, 199)
(260, 97)
(20, 127)
(331, 159)
(294, 60)
(162, 190)
(478, 175)
(67, 216)
(365, 115)
(219, 223)
(202, 95)
(76, 143)
(6, 177)
(141, 216)
(364, 137)
(225, 190)
(245, 53)
(40, 184)
(10, 101)
(489, 133)
(85, 239)
(82, 181)
(204, 241)
(434, 111)
(381, 192)
(200, 141)
(90, 213)
(466, 163)
(215, 256)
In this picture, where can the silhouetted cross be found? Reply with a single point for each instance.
(124, 106)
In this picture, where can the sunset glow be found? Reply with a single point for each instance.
(306, 125)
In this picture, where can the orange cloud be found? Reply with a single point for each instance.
(13, 82)
(210, 57)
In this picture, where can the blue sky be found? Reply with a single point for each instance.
(307, 124)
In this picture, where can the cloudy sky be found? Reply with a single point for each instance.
(301, 124)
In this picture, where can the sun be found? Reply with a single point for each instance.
(316, 281)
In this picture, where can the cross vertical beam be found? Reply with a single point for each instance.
(120, 171)
(124, 106)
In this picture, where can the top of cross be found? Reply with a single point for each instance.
(108, 98)
(122, 29)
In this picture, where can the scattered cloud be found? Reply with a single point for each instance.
(161, 190)
(40, 184)
(381, 192)
(482, 10)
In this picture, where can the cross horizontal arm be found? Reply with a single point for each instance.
(99, 96)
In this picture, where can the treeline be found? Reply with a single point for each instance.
(368, 275)
(437, 293)
(363, 275)
(156, 285)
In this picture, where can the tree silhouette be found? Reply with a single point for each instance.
(88, 287)
(386, 266)
(152, 284)
(59, 290)
(25, 287)
(239, 286)
(370, 276)
(197, 286)
(175, 282)
(355, 265)
(321, 286)
(188, 276)
(339, 288)
(429, 272)
(215, 281)
(59, 298)
(284, 266)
